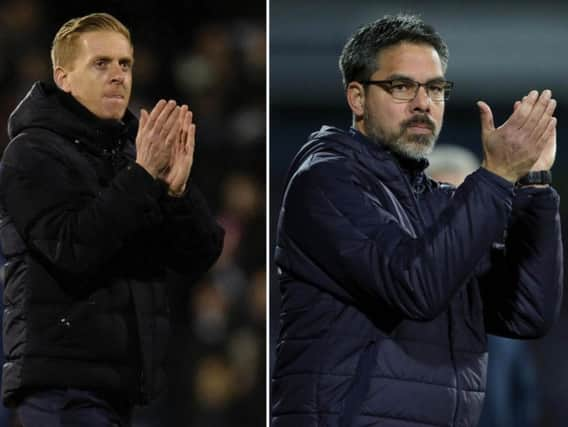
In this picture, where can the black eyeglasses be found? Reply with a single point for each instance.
(407, 89)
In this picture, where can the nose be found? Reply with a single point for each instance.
(421, 101)
(117, 73)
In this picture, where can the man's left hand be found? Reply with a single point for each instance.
(548, 155)
(181, 158)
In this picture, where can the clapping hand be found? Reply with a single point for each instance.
(548, 155)
(181, 155)
(526, 141)
(157, 132)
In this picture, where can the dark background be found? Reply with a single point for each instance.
(212, 56)
(499, 51)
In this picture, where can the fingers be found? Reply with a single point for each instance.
(187, 127)
(189, 141)
(185, 120)
(179, 134)
(162, 118)
(521, 114)
(542, 125)
(528, 136)
(487, 123)
(172, 126)
(184, 125)
(160, 115)
(548, 136)
(155, 113)
(177, 146)
(540, 106)
(191, 138)
(143, 118)
(531, 116)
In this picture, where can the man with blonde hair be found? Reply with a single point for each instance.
(96, 209)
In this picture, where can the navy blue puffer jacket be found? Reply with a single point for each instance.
(390, 283)
(90, 241)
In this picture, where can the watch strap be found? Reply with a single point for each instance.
(535, 178)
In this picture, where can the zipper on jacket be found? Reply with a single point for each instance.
(413, 195)
(454, 364)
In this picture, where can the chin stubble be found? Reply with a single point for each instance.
(415, 146)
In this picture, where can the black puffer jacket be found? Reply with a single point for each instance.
(90, 238)
(390, 283)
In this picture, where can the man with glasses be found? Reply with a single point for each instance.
(391, 281)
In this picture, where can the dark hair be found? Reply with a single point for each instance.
(358, 60)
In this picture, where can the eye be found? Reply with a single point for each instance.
(402, 85)
(399, 86)
(125, 65)
(437, 87)
(100, 63)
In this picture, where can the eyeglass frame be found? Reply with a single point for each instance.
(449, 85)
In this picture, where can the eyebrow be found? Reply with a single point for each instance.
(405, 77)
(126, 59)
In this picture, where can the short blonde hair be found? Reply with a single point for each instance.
(64, 49)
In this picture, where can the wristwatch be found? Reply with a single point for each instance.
(535, 178)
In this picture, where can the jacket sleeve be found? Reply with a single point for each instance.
(522, 292)
(339, 226)
(73, 230)
(192, 237)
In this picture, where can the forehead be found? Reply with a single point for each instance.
(103, 43)
(418, 61)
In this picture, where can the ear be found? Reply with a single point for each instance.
(61, 78)
(356, 98)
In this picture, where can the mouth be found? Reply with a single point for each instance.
(421, 128)
(115, 97)
(420, 124)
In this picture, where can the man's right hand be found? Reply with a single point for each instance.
(157, 131)
(512, 149)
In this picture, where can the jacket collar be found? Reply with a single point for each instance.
(106, 134)
(412, 169)
(46, 106)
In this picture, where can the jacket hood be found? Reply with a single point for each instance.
(46, 106)
(327, 138)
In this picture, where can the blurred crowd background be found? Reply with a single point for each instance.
(211, 56)
(499, 51)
